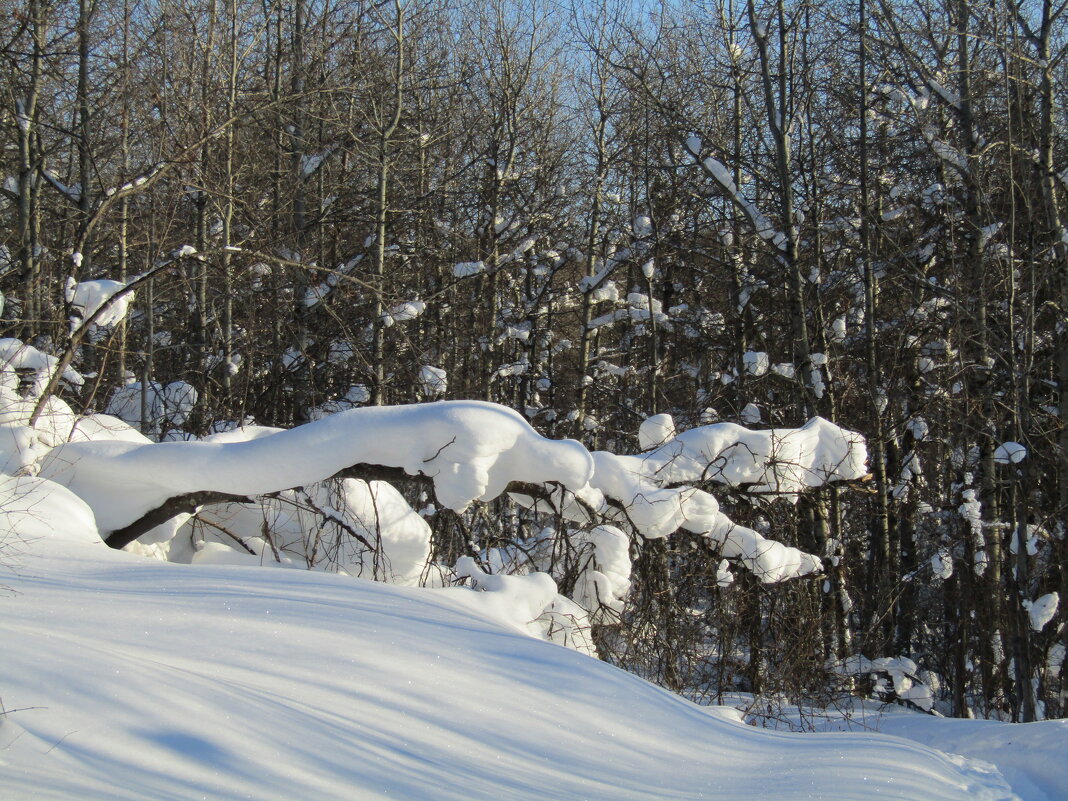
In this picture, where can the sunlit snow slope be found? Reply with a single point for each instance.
(146, 680)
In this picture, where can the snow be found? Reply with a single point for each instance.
(356, 395)
(17, 357)
(408, 310)
(642, 225)
(942, 564)
(785, 369)
(433, 381)
(315, 295)
(513, 369)
(603, 584)
(1010, 453)
(135, 679)
(918, 428)
(756, 362)
(971, 510)
(750, 414)
(519, 599)
(719, 171)
(89, 296)
(465, 269)
(170, 404)
(471, 449)
(309, 163)
(782, 461)
(132, 678)
(1032, 757)
(655, 430)
(903, 675)
(1042, 610)
(74, 191)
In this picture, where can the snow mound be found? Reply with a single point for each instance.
(140, 679)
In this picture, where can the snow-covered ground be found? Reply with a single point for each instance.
(126, 678)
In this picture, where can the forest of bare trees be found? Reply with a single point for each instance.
(754, 211)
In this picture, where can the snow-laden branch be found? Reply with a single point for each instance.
(719, 172)
(777, 461)
(107, 308)
(472, 450)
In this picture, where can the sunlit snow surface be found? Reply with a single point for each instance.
(1033, 757)
(146, 680)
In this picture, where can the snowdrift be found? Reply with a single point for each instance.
(137, 679)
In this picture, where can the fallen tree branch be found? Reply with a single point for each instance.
(190, 502)
(169, 509)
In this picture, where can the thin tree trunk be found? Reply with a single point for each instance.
(389, 127)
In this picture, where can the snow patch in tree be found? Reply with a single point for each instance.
(1042, 610)
(942, 564)
(356, 395)
(433, 381)
(642, 225)
(918, 428)
(309, 163)
(785, 369)
(1010, 453)
(750, 414)
(408, 310)
(167, 405)
(776, 460)
(514, 369)
(607, 292)
(971, 510)
(838, 330)
(466, 269)
(756, 362)
(893, 678)
(724, 577)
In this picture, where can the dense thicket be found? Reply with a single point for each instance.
(719, 210)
